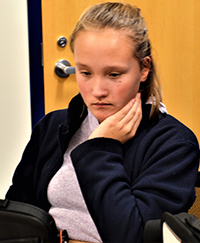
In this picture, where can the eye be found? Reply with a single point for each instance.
(85, 73)
(114, 75)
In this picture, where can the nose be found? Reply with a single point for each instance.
(99, 87)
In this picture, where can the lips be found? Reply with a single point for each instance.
(99, 104)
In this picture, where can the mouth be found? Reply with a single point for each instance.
(101, 105)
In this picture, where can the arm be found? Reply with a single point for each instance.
(22, 187)
(35, 168)
(121, 205)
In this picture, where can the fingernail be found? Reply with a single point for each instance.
(133, 101)
(138, 95)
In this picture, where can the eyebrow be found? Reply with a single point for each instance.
(80, 64)
(121, 67)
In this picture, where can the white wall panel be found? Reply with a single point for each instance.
(15, 115)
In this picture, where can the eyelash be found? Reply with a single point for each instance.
(86, 73)
(112, 75)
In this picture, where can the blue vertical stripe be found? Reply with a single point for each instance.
(35, 60)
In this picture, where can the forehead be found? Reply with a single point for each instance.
(105, 39)
(105, 48)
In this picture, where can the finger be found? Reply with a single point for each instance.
(133, 122)
(134, 111)
(130, 128)
(124, 111)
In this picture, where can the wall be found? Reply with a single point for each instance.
(15, 117)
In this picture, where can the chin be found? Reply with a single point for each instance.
(102, 117)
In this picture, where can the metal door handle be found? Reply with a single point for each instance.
(63, 69)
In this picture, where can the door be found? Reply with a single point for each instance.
(174, 32)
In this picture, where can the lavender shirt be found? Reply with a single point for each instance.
(64, 194)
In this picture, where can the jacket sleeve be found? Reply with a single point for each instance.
(31, 175)
(120, 206)
(22, 182)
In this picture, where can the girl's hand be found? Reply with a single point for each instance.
(123, 124)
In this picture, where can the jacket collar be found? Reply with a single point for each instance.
(77, 112)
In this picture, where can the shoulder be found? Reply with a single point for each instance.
(53, 118)
(175, 129)
(164, 129)
(48, 125)
(60, 119)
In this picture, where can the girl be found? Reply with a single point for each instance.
(114, 159)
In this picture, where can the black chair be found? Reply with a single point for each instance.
(195, 209)
(180, 226)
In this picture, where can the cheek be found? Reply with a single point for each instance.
(128, 92)
(83, 89)
(80, 83)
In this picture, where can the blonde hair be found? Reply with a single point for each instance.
(123, 16)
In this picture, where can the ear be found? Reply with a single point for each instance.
(146, 65)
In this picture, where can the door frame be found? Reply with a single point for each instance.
(35, 60)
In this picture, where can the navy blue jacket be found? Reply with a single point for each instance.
(123, 185)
